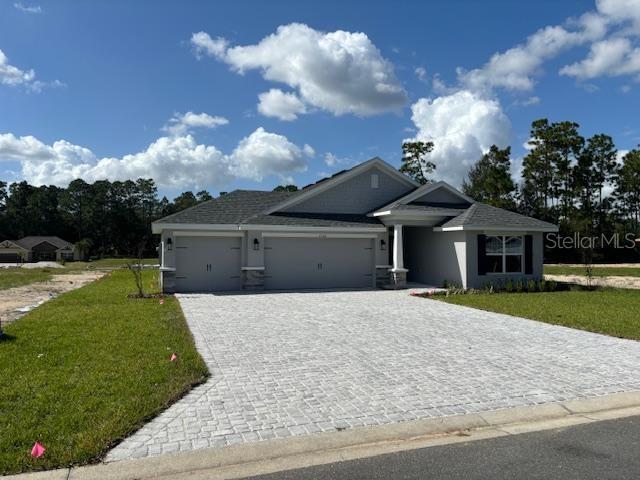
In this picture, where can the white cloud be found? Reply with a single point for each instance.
(263, 153)
(341, 72)
(27, 8)
(421, 73)
(331, 160)
(621, 11)
(276, 103)
(611, 57)
(10, 75)
(516, 68)
(175, 161)
(205, 45)
(462, 126)
(183, 123)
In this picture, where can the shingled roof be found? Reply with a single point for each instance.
(483, 215)
(246, 207)
(32, 241)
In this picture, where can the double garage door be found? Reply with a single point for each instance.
(316, 263)
(205, 264)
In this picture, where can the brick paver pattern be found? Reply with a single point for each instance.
(285, 364)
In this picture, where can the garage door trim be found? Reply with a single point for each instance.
(319, 235)
(208, 234)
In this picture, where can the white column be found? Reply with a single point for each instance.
(398, 254)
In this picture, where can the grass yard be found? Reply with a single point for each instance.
(597, 271)
(15, 277)
(86, 369)
(612, 312)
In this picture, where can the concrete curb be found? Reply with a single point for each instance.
(297, 452)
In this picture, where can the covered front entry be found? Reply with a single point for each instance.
(207, 263)
(293, 263)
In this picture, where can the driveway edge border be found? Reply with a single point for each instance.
(248, 459)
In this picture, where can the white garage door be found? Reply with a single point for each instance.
(207, 264)
(301, 263)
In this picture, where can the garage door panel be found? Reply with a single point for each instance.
(208, 264)
(316, 263)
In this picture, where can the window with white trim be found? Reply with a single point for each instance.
(505, 254)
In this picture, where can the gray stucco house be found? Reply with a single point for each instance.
(364, 227)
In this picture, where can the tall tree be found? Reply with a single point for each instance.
(628, 187)
(414, 162)
(489, 180)
(203, 196)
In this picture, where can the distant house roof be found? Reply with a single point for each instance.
(32, 241)
(480, 215)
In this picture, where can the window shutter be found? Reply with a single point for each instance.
(482, 254)
(528, 254)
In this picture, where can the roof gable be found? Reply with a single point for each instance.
(438, 194)
(11, 244)
(332, 184)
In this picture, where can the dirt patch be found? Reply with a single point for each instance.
(16, 302)
(616, 282)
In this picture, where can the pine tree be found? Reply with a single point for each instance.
(414, 162)
(489, 180)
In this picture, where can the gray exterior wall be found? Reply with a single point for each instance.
(433, 257)
(355, 195)
(478, 281)
(252, 261)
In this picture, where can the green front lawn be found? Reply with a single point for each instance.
(597, 271)
(86, 369)
(612, 312)
(15, 277)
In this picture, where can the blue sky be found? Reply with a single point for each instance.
(89, 88)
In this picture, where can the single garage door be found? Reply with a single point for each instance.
(207, 264)
(9, 258)
(307, 263)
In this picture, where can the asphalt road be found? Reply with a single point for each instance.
(598, 451)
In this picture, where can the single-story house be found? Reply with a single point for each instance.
(36, 249)
(364, 227)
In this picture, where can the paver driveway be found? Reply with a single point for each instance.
(287, 364)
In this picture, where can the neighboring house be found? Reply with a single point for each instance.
(364, 227)
(37, 248)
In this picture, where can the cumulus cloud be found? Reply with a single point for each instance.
(11, 75)
(174, 161)
(612, 57)
(204, 45)
(421, 73)
(340, 72)
(276, 103)
(27, 8)
(462, 126)
(183, 123)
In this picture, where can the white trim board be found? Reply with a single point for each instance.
(159, 227)
(207, 234)
(340, 178)
(318, 235)
(492, 229)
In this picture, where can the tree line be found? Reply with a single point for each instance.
(104, 218)
(566, 179)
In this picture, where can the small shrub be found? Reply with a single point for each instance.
(508, 286)
(532, 286)
(541, 285)
(519, 286)
(552, 285)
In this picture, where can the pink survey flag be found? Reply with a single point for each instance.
(38, 450)
(174, 357)
(162, 301)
